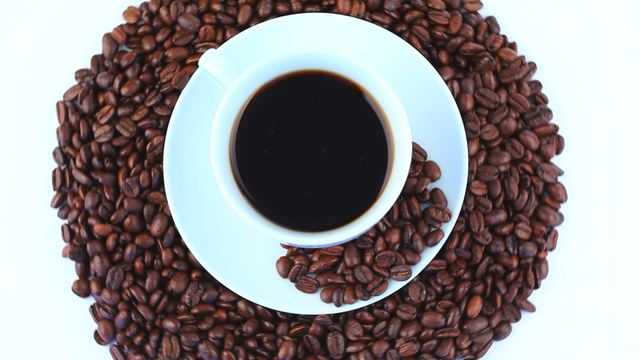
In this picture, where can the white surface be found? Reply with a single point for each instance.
(587, 308)
(211, 227)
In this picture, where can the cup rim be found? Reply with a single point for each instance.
(227, 116)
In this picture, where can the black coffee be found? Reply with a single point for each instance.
(311, 151)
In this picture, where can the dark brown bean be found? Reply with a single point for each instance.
(400, 272)
(170, 347)
(207, 350)
(131, 15)
(106, 330)
(130, 88)
(408, 348)
(307, 284)
(438, 213)
(244, 14)
(353, 330)
(385, 259)
(502, 331)
(265, 7)
(326, 294)
(189, 22)
(487, 98)
(297, 271)
(363, 274)
(475, 325)
(171, 324)
(550, 216)
(178, 283)
(159, 224)
(335, 345)
(287, 350)
(109, 48)
(81, 288)
(379, 288)
(558, 192)
(284, 265)
(177, 53)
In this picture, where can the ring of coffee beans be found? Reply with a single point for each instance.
(153, 300)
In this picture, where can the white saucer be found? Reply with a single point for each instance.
(236, 255)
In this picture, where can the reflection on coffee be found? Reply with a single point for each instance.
(311, 151)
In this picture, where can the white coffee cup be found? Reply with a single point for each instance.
(239, 89)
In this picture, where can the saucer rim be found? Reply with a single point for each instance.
(326, 308)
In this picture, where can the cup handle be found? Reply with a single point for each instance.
(214, 62)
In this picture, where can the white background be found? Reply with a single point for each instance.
(588, 55)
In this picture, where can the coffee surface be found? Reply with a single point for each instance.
(310, 151)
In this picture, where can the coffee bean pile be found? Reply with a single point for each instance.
(361, 268)
(152, 298)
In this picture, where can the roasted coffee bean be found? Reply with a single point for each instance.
(527, 249)
(283, 265)
(323, 263)
(474, 306)
(558, 192)
(400, 272)
(178, 283)
(438, 213)
(81, 288)
(171, 324)
(501, 331)
(350, 296)
(155, 301)
(408, 348)
(297, 271)
(109, 48)
(376, 288)
(244, 14)
(159, 225)
(207, 350)
(326, 294)
(307, 284)
(549, 216)
(115, 277)
(131, 87)
(406, 312)
(312, 344)
(265, 7)
(131, 15)
(432, 320)
(363, 274)
(189, 22)
(170, 347)
(385, 259)
(106, 330)
(287, 350)
(525, 305)
(487, 98)
(379, 348)
(353, 330)
(475, 325)
(335, 345)
(338, 296)
(549, 172)
(351, 255)
(177, 53)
